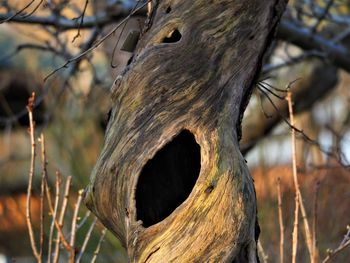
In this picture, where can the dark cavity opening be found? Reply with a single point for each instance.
(175, 36)
(168, 10)
(168, 179)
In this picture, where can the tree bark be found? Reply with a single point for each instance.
(170, 182)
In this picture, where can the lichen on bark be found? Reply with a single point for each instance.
(196, 81)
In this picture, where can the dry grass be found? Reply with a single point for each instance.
(333, 208)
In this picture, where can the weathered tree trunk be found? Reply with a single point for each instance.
(171, 183)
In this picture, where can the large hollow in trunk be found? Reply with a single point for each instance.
(170, 182)
(167, 180)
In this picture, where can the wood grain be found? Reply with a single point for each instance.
(200, 82)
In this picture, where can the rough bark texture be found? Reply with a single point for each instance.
(171, 183)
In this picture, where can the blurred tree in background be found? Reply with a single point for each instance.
(69, 53)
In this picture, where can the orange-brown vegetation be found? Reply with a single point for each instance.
(13, 228)
(12, 212)
(332, 213)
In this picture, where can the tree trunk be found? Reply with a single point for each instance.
(170, 182)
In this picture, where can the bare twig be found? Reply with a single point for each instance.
(74, 226)
(99, 20)
(322, 16)
(83, 221)
(72, 70)
(296, 33)
(14, 15)
(54, 214)
(300, 132)
(95, 45)
(34, 10)
(346, 237)
(302, 37)
(314, 224)
(293, 60)
(307, 231)
(296, 183)
(149, 3)
(280, 220)
(298, 199)
(345, 243)
(295, 229)
(97, 250)
(263, 86)
(61, 221)
(30, 180)
(86, 240)
(42, 192)
(81, 20)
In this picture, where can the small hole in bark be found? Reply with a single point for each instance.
(173, 37)
(129, 60)
(209, 189)
(168, 179)
(168, 10)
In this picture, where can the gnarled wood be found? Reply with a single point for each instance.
(184, 94)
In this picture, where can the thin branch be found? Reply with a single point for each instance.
(81, 20)
(122, 31)
(74, 226)
(84, 220)
(60, 222)
(342, 35)
(344, 244)
(280, 220)
(33, 11)
(305, 39)
(299, 199)
(307, 230)
(42, 192)
(346, 237)
(96, 45)
(13, 16)
(314, 223)
(263, 86)
(296, 34)
(54, 214)
(86, 240)
(301, 132)
(296, 183)
(293, 60)
(273, 87)
(97, 250)
(72, 70)
(322, 16)
(99, 20)
(30, 179)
